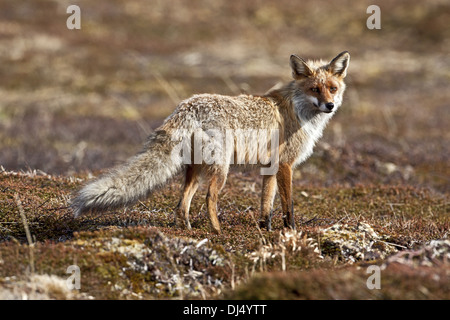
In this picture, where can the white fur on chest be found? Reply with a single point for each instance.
(311, 132)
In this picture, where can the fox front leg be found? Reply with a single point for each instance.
(267, 196)
(284, 181)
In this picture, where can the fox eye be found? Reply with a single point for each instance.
(333, 89)
(315, 89)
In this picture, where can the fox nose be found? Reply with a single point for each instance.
(330, 106)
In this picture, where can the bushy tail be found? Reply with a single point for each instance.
(126, 184)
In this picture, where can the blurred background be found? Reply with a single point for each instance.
(77, 101)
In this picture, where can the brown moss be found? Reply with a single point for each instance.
(397, 282)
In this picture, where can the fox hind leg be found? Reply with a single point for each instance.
(190, 187)
(217, 179)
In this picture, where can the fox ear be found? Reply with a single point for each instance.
(338, 66)
(300, 68)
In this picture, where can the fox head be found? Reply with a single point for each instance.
(321, 84)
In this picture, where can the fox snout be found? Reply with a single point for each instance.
(326, 107)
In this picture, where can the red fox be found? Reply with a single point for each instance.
(208, 133)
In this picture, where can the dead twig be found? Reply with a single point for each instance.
(27, 231)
